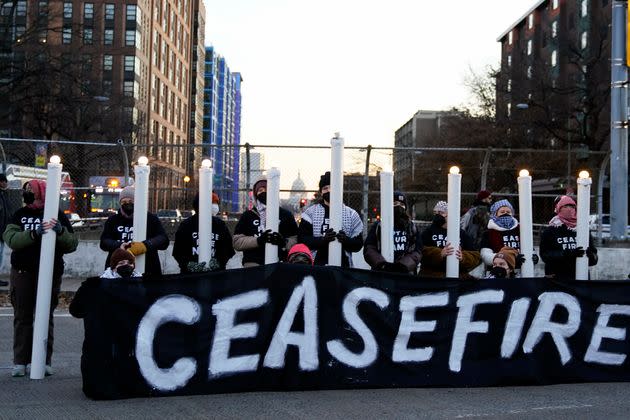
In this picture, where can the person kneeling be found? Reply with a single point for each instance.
(503, 264)
(122, 264)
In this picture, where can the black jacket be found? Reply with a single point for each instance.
(119, 229)
(407, 246)
(187, 241)
(554, 242)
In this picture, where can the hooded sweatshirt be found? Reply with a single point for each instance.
(186, 243)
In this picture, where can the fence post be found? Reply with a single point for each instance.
(4, 159)
(600, 197)
(366, 187)
(484, 169)
(248, 168)
(121, 142)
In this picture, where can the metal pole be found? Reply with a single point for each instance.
(121, 142)
(273, 212)
(618, 121)
(366, 187)
(204, 250)
(141, 208)
(387, 216)
(336, 198)
(248, 175)
(484, 169)
(600, 197)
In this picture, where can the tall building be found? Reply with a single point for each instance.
(554, 82)
(222, 126)
(111, 69)
(256, 170)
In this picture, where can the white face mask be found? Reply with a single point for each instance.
(215, 209)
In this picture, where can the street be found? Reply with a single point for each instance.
(60, 396)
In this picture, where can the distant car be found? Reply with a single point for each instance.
(593, 225)
(75, 220)
(186, 213)
(172, 216)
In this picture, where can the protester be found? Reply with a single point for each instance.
(24, 236)
(122, 264)
(558, 247)
(503, 264)
(475, 221)
(6, 211)
(315, 231)
(251, 233)
(186, 246)
(407, 242)
(118, 233)
(503, 231)
(437, 247)
(300, 254)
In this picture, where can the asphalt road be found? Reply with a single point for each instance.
(60, 396)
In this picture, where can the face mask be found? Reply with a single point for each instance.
(399, 212)
(215, 209)
(499, 272)
(326, 197)
(506, 221)
(125, 271)
(28, 197)
(567, 212)
(299, 259)
(127, 208)
(439, 220)
(262, 197)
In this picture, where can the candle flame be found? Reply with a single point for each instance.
(206, 163)
(454, 170)
(523, 172)
(143, 161)
(55, 159)
(584, 175)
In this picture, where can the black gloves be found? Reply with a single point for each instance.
(264, 238)
(520, 259)
(329, 235)
(342, 237)
(575, 253)
(392, 267)
(273, 238)
(57, 228)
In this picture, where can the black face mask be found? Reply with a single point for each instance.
(499, 272)
(28, 197)
(439, 220)
(262, 197)
(127, 208)
(326, 197)
(400, 212)
(125, 271)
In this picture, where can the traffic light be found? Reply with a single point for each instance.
(302, 202)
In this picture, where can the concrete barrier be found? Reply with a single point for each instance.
(88, 260)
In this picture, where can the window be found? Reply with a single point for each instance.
(20, 9)
(509, 110)
(66, 36)
(131, 12)
(584, 8)
(88, 10)
(42, 36)
(554, 58)
(509, 85)
(129, 62)
(108, 37)
(509, 61)
(554, 4)
(128, 88)
(130, 38)
(67, 10)
(530, 21)
(108, 62)
(110, 10)
(107, 88)
(584, 40)
(554, 29)
(42, 7)
(19, 32)
(88, 36)
(530, 47)
(529, 72)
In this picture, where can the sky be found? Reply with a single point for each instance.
(358, 67)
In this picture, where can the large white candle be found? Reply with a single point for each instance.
(204, 249)
(582, 235)
(526, 223)
(273, 212)
(387, 216)
(141, 207)
(452, 224)
(45, 274)
(336, 198)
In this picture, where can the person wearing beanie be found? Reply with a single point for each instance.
(24, 235)
(185, 248)
(122, 264)
(475, 220)
(503, 264)
(118, 233)
(251, 233)
(558, 247)
(503, 231)
(436, 247)
(407, 242)
(300, 254)
(315, 231)
(215, 203)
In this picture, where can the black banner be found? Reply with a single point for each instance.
(284, 327)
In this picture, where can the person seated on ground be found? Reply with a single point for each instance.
(185, 248)
(436, 247)
(503, 231)
(300, 254)
(118, 233)
(407, 242)
(558, 247)
(315, 231)
(122, 265)
(475, 221)
(503, 264)
(251, 234)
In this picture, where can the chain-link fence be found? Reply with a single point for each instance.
(95, 172)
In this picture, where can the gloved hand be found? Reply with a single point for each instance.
(137, 248)
(575, 253)
(37, 233)
(264, 238)
(342, 237)
(276, 239)
(329, 235)
(520, 259)
(590, 254)
(393, 267)
(56, 226)
(197, 267)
